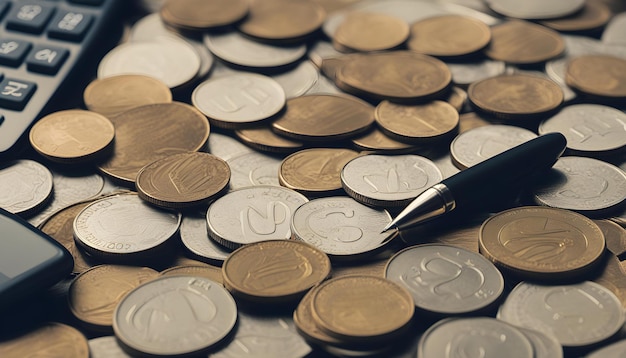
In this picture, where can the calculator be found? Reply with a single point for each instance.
(46, 50)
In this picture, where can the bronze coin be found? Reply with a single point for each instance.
(47, 340)
(202, 14)
(368, 31)
(598, 76)
(263, 139)
(377, 141)
(592, 16)
(520, 42)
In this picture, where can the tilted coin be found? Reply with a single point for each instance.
(446, 279)
(213, 273)
(614, 235)
(174, 315)
(518, 42)
(466, 73)
(226, 147)
(95, 293)
(202, 14)
(535, 9)
(298, 81)
(367, 31)
(252, 169)
(376, 140)
(592, 16)
(542, 242)
(25, 185)
(264, 139)
(106, 347)
(195, 236)
(151, 132)
(253, 214)
(315, 171)
(112, 95)
(47, 340)
(274, 271)
(599, 76)
(614, 31)
(614, 350)
(303, 318)
(388, 181)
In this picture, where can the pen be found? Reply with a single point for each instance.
(489, 179)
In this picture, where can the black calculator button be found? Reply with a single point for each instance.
(70, 26)
(13, 51)
(30, 16)
(46, 59)
(14, 94)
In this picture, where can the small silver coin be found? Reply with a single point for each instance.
(106, 347)
(614, 31)
(535, 9)
(298, 81)
(226, 147)
(252, 169)
(25, 185)
(615, 350)
(195, 236)
(253, 214)
(545, 346)
(446, 279)
(175, 315)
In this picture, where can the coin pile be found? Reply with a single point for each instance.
(224, 188)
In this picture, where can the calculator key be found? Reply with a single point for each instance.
(30, 17)
(70, 26)
(14, 93)
(13, 51)
(46, 59)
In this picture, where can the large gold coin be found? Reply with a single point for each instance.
(516, 96)
(397, 76)
(368, 31)
(520, 42)
(274, 271)
(183, 180)
(598, 76)
(47, 340)
(151, 132)
(542, 242)
(72, 136)
(202, 14)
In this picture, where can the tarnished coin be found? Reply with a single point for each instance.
(324, 117)
(518, 96)
(593, 15)
(123, 228)
(340, 226)
(252, 169)
(368, 31)
(264, 139)
(213, 273)
(388, 181)
(151, 132)
(202, 14)
(106, 347)
(253, 214)
(47, 340)
(419, 123)
(95, 293)
(578, 315)
(238, 99)
(446, 279)
(274, 271)
(195, 236)
(535, 9)
(113, 95)
(25, 185)
(362, 318)
(174, 315)
(599, 76)
(541, 242)
(518, 42)
(315, 171)
(449, 36)
(183, 180)
(376, 140)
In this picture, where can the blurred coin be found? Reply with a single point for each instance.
(614, 31)
(593, 15)
(106, 347)
(25, 186)
(226, 147)
(465, 73)
(253, 214)
(535, 9)
(113, 95)
(298, 81)
(479, 144)
(211, 272)
(613, 350)
(195, 236)
(95, 293)
(519, 42)
(544, 345)
(315, 171)
(457, 99)
(72, 136)
(449, 36)
(388, 181)
(264, 139)
(598, 76)
(151, 132)
(202, 14)
(47, 340)
(614, 235)
(322, 50)
(253, 169)
(377, 141)
(542, 243)
(325, 86)
(367, 31)
(174, 315)
(578, 315)
(446, 279)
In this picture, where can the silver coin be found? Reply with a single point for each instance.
(238, 99)
(324, 86)
(298, 81)
(474, 337)
(466, 73)
(123, 225)
(589, 128)
(175, 315)
(446, 279)
(545, 346)
(195, 236)
(535, 9)
(576, 315)
(583, 184)
(614, 31)
(481, 143)
(25, 185)
(388, 180)
(253, 214)
(471, 8)
(322, 50)
(252, 169)
(615, 350)
(226, 147)
(106, 347)
(237, 49)
(340, 226)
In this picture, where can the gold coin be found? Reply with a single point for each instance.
(202, 14)
(324, 117)
(520, 42)
(47, 340)
(330, 66)
(72, 136)
(112, 95)
(274, 271)
(305, 324)
(598, 76)
(211, 272)
(542, 242)
(516, 96)
(315, 171)
(449, 36)
(399, 76)
(263, 139)
(183, 180)
(151, 132)
(335, 5)
(593, 15)
(362, 308)
(368, 31)
(376, 140)
(417, 124)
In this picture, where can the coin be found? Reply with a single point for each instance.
(226, 147)
(598, 76)
(544, 345)
(541, 242)
(252, 169)
(210, 272)
(48, 339)
(25, 186)
(377, 141)
(174, 315)
(614, 31)
(201, 15)
(264, 139)
(592, 16)
(94, 294)
(366, 31)
(298, 81)
(195, 236)
(614, 235)
(303, 318)
(535, 9)
(465, 73)
(106, 347)
(518, 42)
